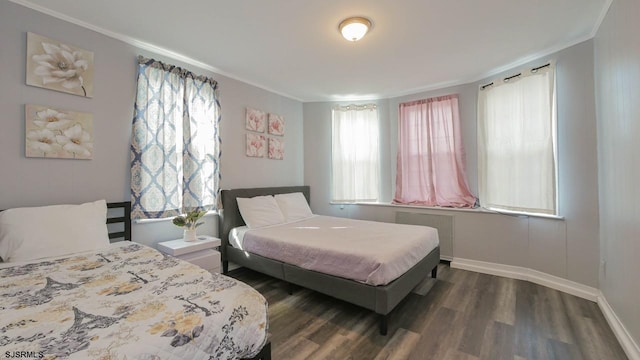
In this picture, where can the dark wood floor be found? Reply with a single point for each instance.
(461, 315)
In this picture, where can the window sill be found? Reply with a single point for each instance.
(438, 208)
(148, 221)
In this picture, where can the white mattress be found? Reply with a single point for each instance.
(371, 252)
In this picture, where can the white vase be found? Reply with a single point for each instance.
(189, 235)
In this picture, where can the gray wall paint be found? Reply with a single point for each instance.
(32, 182)
(565, 248)
(617, 69)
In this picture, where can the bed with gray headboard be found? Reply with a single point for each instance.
(380, 299)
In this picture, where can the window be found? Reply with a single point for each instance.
(355, 153)
(517, 143)
(430, 165)
(175, 145)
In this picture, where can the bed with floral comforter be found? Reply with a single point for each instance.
(126, 302)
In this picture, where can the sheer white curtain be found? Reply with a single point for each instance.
(355, 153)
(517, 143)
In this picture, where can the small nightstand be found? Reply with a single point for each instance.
(201, 252)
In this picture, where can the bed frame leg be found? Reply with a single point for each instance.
(264, 354)
(434, 272)
(225, 267)
(267, 351)
(383, 324)
(290, 288)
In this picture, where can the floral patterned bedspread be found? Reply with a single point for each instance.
(127, 302)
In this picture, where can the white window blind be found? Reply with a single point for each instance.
(517, 143)
(355, 153)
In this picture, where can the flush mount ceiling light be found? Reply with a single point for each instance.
(354, 28)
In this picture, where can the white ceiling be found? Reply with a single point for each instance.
(294, 48)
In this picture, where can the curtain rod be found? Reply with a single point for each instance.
(355, 106)
(534, 70)
(540, 67)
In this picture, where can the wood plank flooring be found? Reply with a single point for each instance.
(461, 315)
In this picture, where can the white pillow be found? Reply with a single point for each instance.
(39, 232)
(294, 206)
(260, 211)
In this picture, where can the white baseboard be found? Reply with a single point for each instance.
(536, 277)
(446, 258)
(627, 342)
(629, 346)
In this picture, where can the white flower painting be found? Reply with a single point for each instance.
(55, 133)
(256, 145)
(57, 66)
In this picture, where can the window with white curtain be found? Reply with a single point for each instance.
(517, 155)
(175, 145)
(355, 153)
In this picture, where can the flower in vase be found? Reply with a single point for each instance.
(190, 220)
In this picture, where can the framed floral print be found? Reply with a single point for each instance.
(55, 133)
(58, 66)
(276, 125)
(276, 149)
(256, 145)
(256, 120)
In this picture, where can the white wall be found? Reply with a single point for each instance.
(617, 69)
(566, 248)
(31, 182)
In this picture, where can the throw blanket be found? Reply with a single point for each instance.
(126, 302)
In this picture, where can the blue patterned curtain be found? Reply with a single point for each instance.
(175, 146)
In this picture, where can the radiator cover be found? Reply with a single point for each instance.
(444, 224)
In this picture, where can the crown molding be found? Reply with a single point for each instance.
(146, 46)
(442, 85)
(603, 14)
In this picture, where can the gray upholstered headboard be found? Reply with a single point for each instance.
(230, 215)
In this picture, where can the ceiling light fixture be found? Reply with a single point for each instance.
(354, 28)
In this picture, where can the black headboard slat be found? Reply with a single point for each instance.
(116, 235)
(125, 218)
(230, 215)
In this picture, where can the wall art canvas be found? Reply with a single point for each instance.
(58, 66)
(256, 145)
(276, 125)
(276, 149)
(55, 133)
(256, 120)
